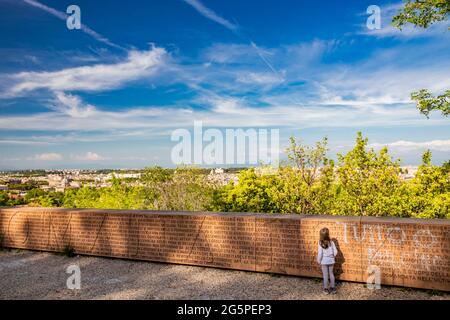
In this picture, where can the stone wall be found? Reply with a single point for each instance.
(407, 252)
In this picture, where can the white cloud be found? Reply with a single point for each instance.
(73, 106)
(89, 156)
(211, 15)
(367, 93)
(22, 142)
(231, 53)
(235, 67)
(47, 157)
(219, 111)
(438, 145)
(208, 13)
(386, 77)
(97, 77)
(259, 78)
(226, 105)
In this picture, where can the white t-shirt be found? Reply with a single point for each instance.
(326, 256)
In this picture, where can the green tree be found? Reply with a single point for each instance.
(251, 194)
(154, 175)
(51, 199)
(423, 13)
(426, 102)
(367, 182)
(3, 198)
(33, 195)
(85, 197)
(429, 190)
(307, 179)
(303, 185)
(363, 182)
(307, 159)
(187, 189)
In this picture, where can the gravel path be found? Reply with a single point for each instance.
(36, 275)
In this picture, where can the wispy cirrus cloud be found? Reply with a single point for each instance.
(371, 92)
(89, 156)
(217, 111)
(92, 78)
(384, 77)
(231, 53)
(211, 15)
(63, 16)
(47, 157)
(258, 78)
(405, 145)
(21, 141)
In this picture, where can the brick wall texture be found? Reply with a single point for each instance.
(407, 252)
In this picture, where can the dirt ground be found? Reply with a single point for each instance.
(38, 275)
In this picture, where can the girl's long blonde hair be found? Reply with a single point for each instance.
(324, 238)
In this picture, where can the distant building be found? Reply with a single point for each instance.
(218, 176)
(75, 184)
(123, 175)
(14, 196)
(266, 170)
(408, 172)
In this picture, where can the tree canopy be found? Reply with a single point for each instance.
(423, 13)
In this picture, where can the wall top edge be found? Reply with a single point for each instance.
(305, 218)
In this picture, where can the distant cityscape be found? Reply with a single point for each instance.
(18, 183)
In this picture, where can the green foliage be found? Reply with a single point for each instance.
(367, 182)
(426, 102)
(3, 198)
(362, 183)
(429, 191)
(185, 189)
(251, 194)
(302, 186)
(51, 199)
(15, 202)
(41, 198)
(307, 159)
(162, 189)
(34, 195)
(422, 13)
(157, 175)
(119, 196)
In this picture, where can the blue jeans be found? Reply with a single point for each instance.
(328, 276)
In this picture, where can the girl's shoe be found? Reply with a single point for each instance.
(333, 290)
(326, 291)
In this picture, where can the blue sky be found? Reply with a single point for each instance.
(111, 94)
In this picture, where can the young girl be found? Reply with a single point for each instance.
(326, 258)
